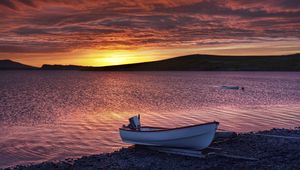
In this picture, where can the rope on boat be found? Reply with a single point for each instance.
(198, 153)
(265, 135)
(177, 151)
(278, 136)
(233, 156)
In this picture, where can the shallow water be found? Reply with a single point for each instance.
(52, 115)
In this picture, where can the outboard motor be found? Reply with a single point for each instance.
(134, 122)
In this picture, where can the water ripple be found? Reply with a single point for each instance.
(54, 115)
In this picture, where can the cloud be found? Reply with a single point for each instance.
(61, 25)
(28, 3)
(33, 48)
(8, 4)
(30, 31)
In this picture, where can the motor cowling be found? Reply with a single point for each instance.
(134, 122)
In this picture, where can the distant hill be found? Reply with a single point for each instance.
(63, 67)
(194, 62)
(12, 65)
(213, 63)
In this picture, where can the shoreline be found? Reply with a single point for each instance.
(268, 147)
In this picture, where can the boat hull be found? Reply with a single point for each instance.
(193, 137)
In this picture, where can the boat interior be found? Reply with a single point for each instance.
(143, 129)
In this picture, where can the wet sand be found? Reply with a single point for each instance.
(271, 153)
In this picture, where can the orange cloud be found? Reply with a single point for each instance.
(62, 26)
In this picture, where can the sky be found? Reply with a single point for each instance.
(112, 32)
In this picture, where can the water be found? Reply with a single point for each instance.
(52, 115)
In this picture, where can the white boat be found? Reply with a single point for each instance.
(231, 87)
(192, 137)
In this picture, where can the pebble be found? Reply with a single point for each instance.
(272, 153)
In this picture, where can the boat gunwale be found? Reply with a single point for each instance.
(161, 129)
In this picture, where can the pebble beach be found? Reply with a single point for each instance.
(272, 149)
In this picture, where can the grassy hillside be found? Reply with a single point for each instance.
(12, 65)
(213, 63)
(62, 67)
(186, 63)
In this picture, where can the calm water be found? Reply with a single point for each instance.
(57, 114)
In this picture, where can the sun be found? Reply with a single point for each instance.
(116, 57)
(114, 60)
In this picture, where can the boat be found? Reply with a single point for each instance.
(231, 87)
(196, 137)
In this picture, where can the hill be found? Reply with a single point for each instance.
(12, 65)
(194, 62)
(63, 67)
(213, 63)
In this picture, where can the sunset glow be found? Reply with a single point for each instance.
(116, 57)
(99, 33)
